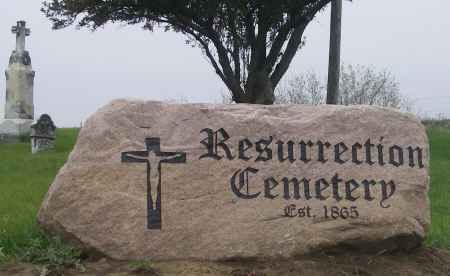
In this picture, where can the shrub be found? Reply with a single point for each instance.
(51, 252)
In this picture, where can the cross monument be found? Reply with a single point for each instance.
(19, 107)
(21, 33)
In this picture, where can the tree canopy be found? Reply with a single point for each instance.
(250, 43)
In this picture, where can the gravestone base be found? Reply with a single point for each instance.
(14, 130)
(41, 144)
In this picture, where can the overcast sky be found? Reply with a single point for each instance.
(78, 71)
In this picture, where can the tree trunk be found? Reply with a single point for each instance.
(259, 89)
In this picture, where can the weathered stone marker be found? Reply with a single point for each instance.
(19, 108)
(241, 181)
(43, 134)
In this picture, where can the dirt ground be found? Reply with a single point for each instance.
(427, 262)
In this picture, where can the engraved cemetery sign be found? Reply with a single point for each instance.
(166, 181)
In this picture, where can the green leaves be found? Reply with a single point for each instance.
(220, 15)
(3, 257)
(50, 252)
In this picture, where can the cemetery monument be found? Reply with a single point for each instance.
(151, 180)
(19, 109)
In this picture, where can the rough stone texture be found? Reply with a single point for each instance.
(19, 78)
(43, 134)
(99, 202)
(19, 92)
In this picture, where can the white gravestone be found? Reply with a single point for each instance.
(19, 108)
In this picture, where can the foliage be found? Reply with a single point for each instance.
(250, 43)
(358, 85)
(364, 85)
(3, 257)
(50, 252)
(143, 266)
(437, 123)
(303, 89)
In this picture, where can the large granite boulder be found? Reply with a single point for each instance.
(201, 181)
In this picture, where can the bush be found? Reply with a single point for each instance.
(51, 252)
(3, 257)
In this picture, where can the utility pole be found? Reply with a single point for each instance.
(335, 52)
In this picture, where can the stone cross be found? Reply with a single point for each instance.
(21, 32)
(153, 157)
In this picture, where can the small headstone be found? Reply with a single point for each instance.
(149, 180)
(43, 134)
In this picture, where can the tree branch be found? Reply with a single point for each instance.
(226, 67)
(236, 48)
(228, 82)
(291, 49)
(316, 6)
(277, 45)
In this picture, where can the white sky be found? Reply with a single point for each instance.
(78, 71)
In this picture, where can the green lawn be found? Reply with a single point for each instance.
(440, 187)
(25, 178)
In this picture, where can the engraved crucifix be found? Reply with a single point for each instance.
(153, 157)
(21, 32)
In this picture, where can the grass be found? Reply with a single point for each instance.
(25, 178)
(143, 267)
(440, 187)
(24, 181)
